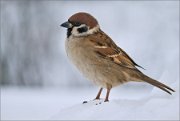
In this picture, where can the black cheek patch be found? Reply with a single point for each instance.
(69, 32)
(82, 29)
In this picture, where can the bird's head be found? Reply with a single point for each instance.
(81, 24)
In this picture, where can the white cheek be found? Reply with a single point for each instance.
(75, 31)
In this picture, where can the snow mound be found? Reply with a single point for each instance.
(150, 108)
(156, 105)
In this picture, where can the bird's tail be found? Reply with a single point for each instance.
(158, 84)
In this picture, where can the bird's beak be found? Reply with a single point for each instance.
(66, 24)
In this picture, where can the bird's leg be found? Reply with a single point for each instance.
(99, 93)
(107, 95)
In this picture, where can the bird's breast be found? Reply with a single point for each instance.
(75, 51)
(78, 53)
(90, 64)
(83, 57)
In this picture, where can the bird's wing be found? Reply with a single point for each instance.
(106, 48)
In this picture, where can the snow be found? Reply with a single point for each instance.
(123, 109)
(149, 105)
(133, 101)
(33, 104)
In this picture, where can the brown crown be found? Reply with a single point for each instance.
(84, 18)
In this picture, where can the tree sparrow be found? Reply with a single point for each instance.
(98, 58)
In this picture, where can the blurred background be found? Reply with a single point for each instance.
(32, 49)
(32, 42)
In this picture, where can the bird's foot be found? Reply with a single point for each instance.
(106, 100)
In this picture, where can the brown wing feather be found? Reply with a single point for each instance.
(108, 49)
(127, 56)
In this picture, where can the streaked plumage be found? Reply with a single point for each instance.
(98, 58)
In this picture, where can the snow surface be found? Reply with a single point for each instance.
(154, 105)
(157, 108)
(133, 101)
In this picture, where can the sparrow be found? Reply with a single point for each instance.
(98, 58)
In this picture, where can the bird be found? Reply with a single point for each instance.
(99, 59)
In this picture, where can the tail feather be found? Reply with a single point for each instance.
(158, 84)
